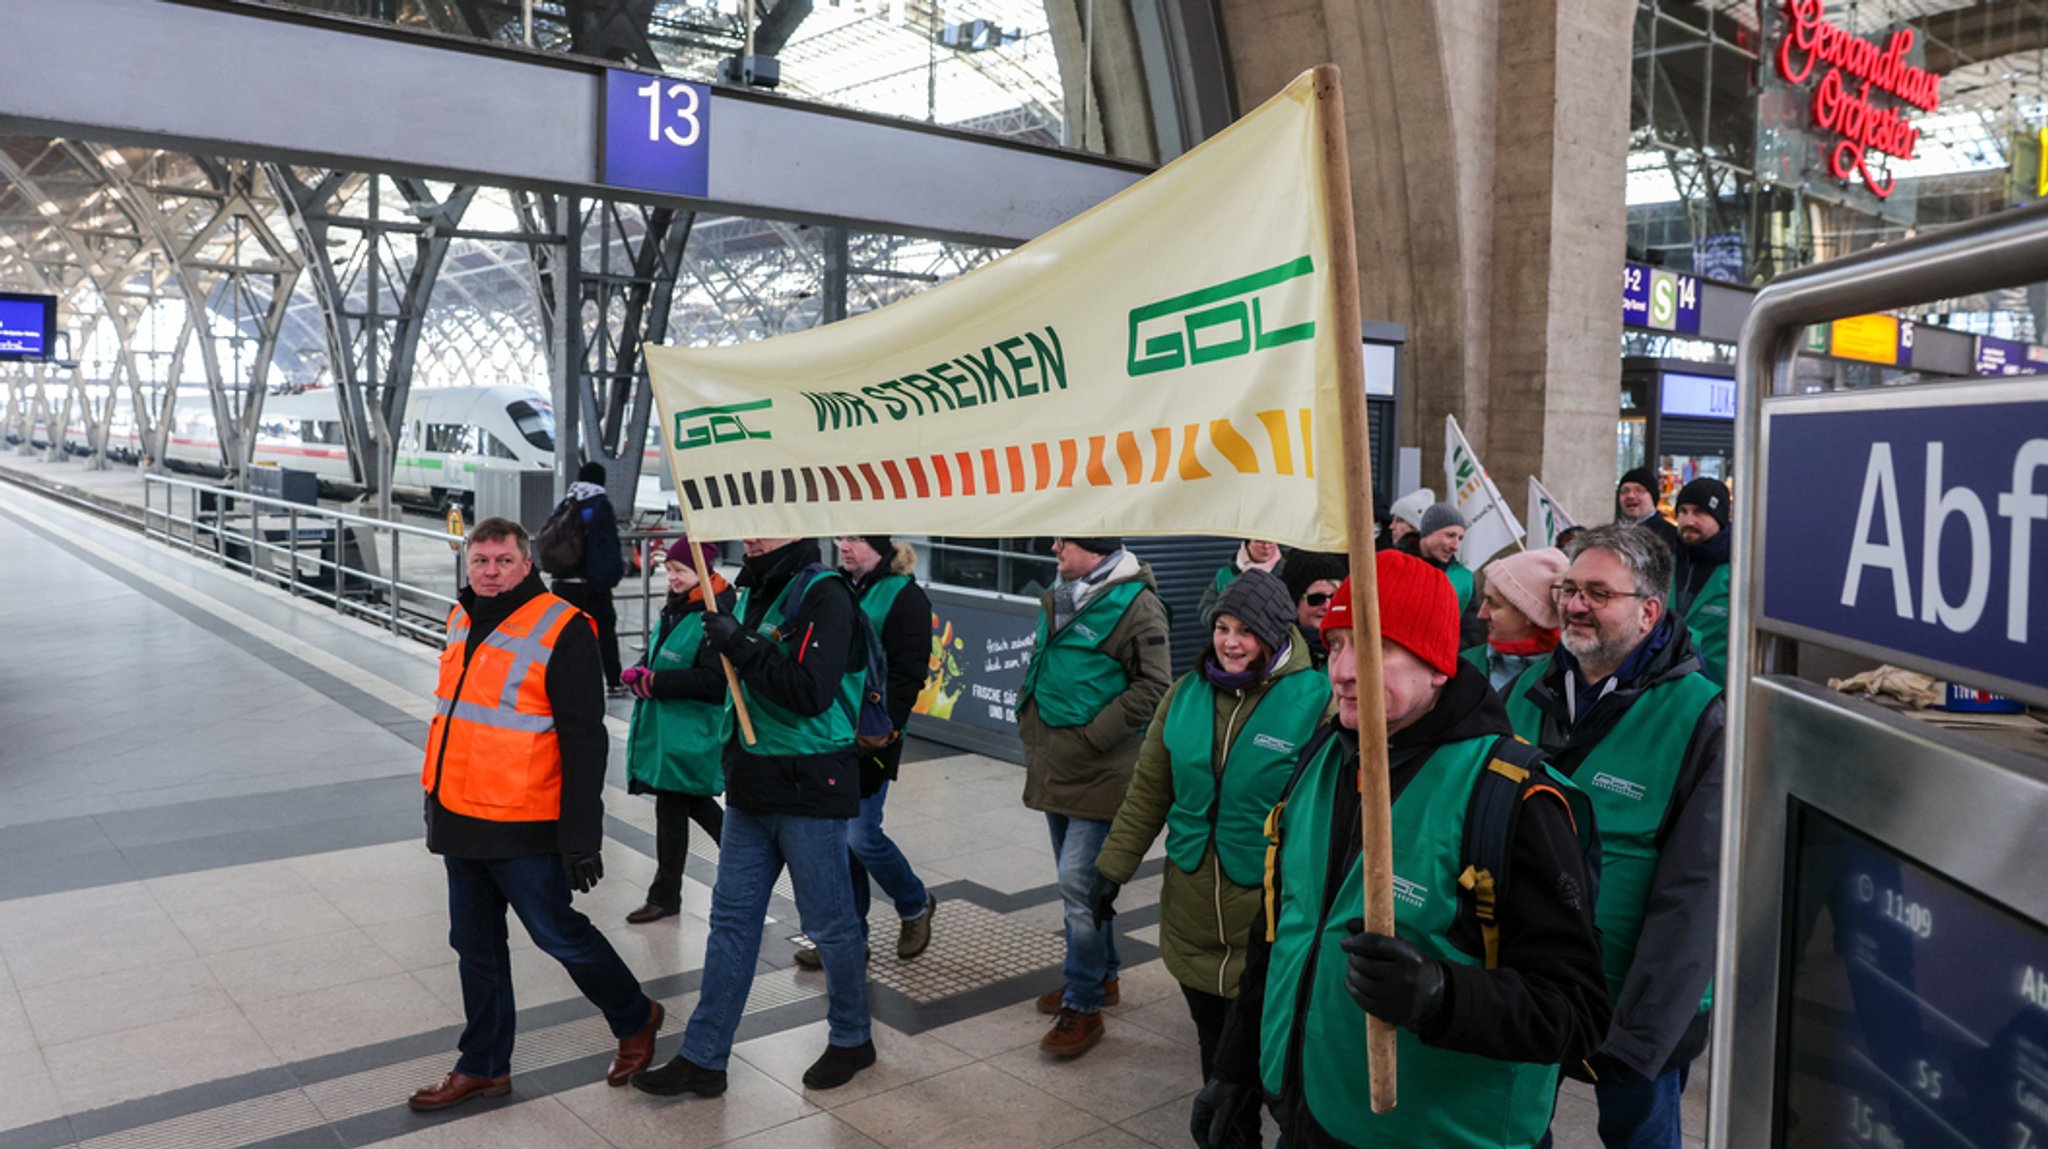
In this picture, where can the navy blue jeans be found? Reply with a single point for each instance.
(754, 849)
(1639, 1114)
(534, 887)
(1091, 949)
(875, 856)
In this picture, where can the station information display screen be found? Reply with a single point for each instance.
(28, 325)
(1914, 1012)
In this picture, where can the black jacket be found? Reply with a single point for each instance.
(1546, 1002)
(701, 681)
(575, 685)
(816, 785)
(906, 636)
(1657, 525)
(1657, 1024)
(603, 564)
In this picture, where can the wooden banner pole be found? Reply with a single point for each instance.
(1378, 855)
(732, 678)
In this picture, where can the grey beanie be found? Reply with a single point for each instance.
(1260, 601)
(1439, 516)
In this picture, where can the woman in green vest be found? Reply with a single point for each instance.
(680, 726)
(1214, 761)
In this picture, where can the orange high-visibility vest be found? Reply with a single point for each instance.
(493, 733)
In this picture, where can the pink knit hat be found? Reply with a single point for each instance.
(1524, 579)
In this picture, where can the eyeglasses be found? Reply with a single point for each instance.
(1595, 596)
(1316, 598)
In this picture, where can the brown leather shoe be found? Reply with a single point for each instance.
(650, 913)
(1053, 1001)
(1073, 1033)
(636, 1051)
(456, 1089)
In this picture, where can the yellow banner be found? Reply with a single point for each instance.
(1164, 363)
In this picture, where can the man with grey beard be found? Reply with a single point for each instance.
(1622, 709)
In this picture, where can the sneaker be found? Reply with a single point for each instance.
(680, 1076)
(807, 958)
(837, 1065)
(917, 932)
(1073, 1033)
(1053, 1001)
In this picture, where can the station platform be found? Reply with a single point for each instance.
(219, 926)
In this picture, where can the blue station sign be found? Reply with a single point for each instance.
(1915, 522)
(656, 134)
(1659, 300)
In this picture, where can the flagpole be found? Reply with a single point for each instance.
(1377, 856)
(732, 679)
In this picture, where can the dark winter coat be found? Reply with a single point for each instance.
(701, 681)
(906, 636)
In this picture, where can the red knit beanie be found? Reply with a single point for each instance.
(1418, 609)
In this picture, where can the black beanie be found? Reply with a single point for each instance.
(1709, 495)
(883, 544)
(1260, 601)
(1100, 546)
(1303, 569)
(591, 472)
(1642, 477)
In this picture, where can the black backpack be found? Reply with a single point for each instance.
(1513, 768)
(559, 545)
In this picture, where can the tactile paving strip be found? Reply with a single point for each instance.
(972, 947)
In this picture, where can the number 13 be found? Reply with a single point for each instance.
(687, 113)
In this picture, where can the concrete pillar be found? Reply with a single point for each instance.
(1487, 142)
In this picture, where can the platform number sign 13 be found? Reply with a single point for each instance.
(656, 134)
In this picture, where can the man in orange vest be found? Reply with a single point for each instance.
(514, 780)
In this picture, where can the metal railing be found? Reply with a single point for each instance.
(312, 552)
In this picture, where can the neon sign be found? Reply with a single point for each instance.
(1842, 99)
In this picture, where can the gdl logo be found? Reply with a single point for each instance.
(703, 426)
(1214, 323)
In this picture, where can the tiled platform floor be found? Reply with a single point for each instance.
(218, 926)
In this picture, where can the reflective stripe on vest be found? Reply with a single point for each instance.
(1630, 779)
(1271, 729)
(1449, 1100)
(1087, 679)
(492, 752)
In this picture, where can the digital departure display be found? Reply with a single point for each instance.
(1914, 1011)
(28, 325)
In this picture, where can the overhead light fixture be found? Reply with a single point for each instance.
(49, 209)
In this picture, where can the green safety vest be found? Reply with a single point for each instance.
(1254, 772)
(782, 732)
(1706, 620)
(1630, 778)
(674, 744)
(1448, 1099)
(1461, 581)
(1087, 679)
(879, 598)
(1476, 655)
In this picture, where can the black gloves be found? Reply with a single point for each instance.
(583, 870)
(1105, 901)
(722, 630)
(1217, 1107)
(1390, 979)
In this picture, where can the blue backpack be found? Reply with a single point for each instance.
(872, 727)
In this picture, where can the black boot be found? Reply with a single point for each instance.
(838, 1065)
(681, 1075)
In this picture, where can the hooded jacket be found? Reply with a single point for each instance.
(1205, 918)
(1658, 1023)
(1082, 771)
(575, 686)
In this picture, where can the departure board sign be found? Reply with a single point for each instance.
(1916, 1011)
(1872, 339)
(1659, 300)
(655, 134)
(2009, 357)
(1912, 524)
(1697, 396)
(28, 326)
